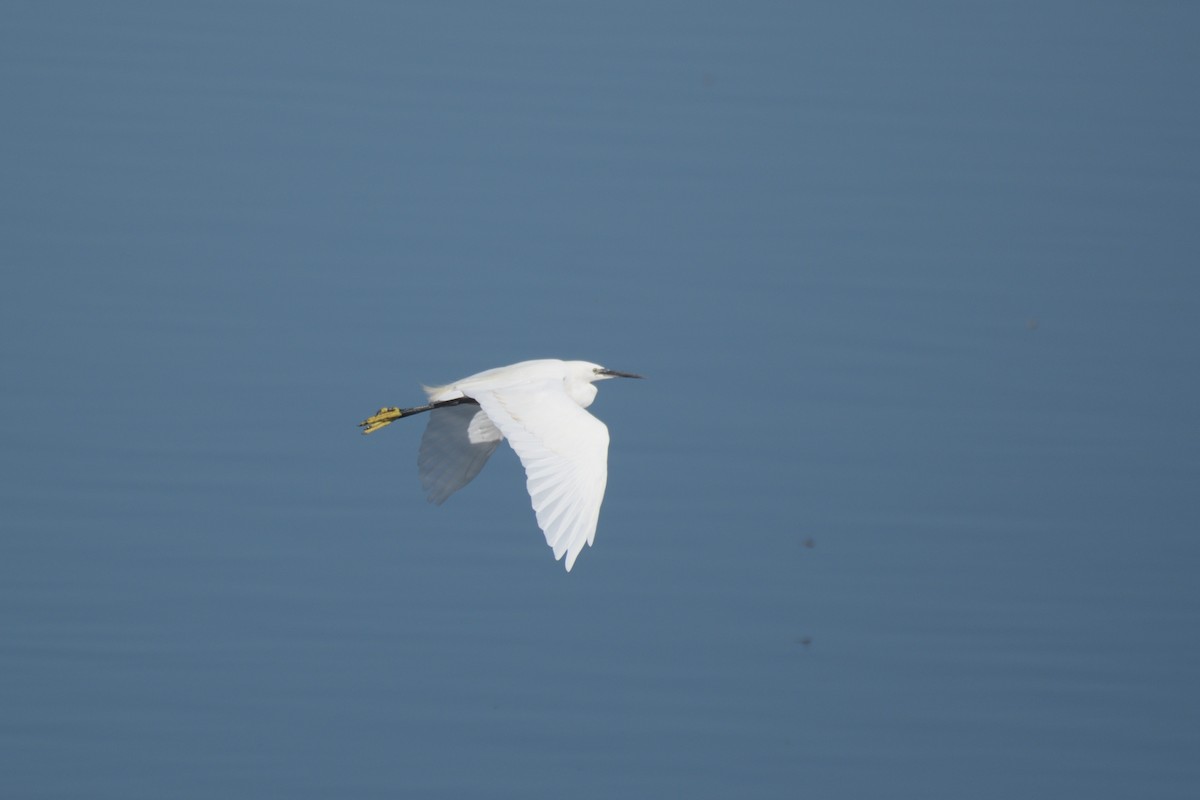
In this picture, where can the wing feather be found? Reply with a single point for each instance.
(564, 450)
(456, 444)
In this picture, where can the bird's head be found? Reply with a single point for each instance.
(582, 374)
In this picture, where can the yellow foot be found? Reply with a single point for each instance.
(381, 419)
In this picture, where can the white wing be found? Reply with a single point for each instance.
(565, 453)
(457, 443)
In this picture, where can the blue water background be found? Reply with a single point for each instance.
(907, 507)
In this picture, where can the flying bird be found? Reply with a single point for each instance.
(539, 407)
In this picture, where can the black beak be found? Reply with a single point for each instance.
(614, 374)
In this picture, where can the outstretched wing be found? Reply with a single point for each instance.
(565, 453)
(457, 443)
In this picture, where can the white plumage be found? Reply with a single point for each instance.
(539, 407)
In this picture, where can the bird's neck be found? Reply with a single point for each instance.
(582, 393)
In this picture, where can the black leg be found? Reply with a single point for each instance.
(386, 416)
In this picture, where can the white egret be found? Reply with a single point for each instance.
(539, 407)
